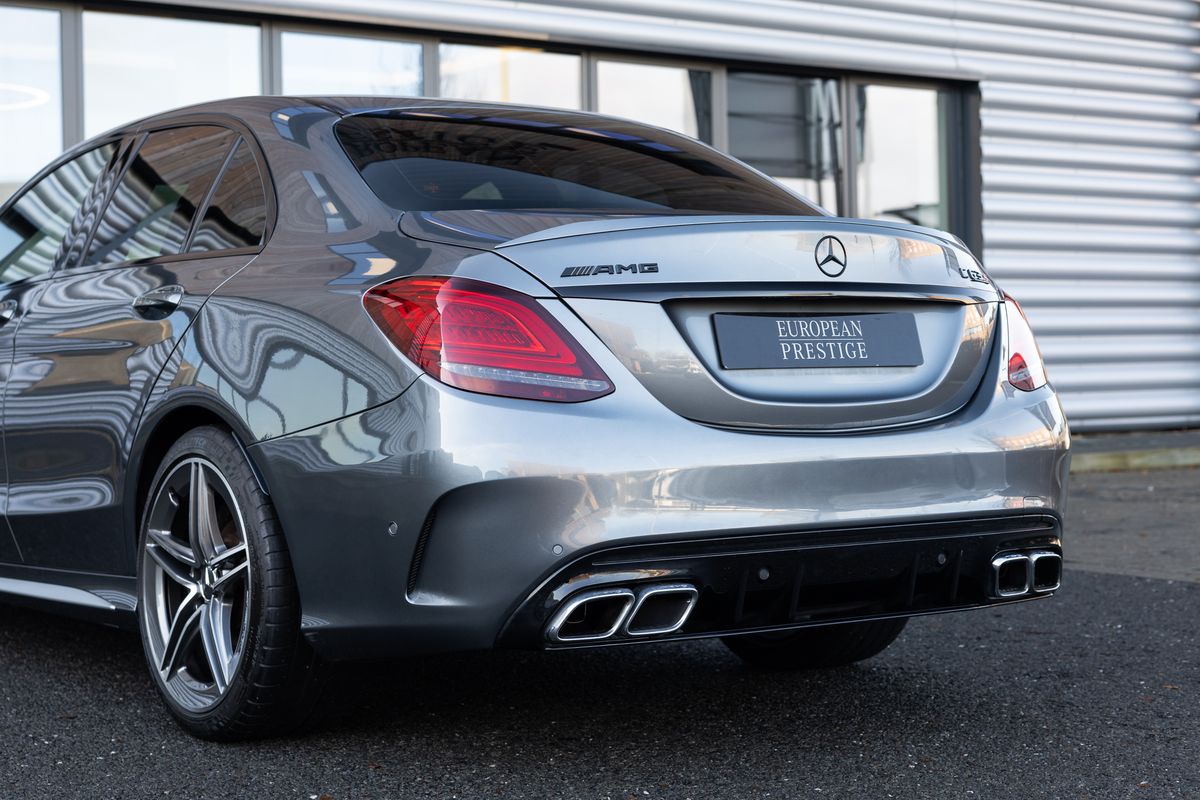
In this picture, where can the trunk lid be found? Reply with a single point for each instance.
(750, 323)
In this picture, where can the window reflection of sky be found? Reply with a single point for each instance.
(30, 94)
(670, 97)
(510, 75)
(314, 64)
(137, 65)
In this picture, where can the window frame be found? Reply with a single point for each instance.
(70, 46)
(717, 71)
(961, 160)
(74, 89)
(134, 139)
(839, 184)
(272, 48)
(959, 134)
(850, 113)
(433, 90)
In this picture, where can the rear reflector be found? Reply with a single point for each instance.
(485, 338)
(1026, 371)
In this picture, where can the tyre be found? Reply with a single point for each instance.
(218, 609)
(812, 648)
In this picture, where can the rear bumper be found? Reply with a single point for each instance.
(431, 523)
(761, 583)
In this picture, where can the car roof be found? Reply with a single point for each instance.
(269, 117)
(254, 108)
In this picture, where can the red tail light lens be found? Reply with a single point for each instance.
(485, 338)
(1026, 371)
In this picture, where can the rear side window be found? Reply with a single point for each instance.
(33, 228)
(432, 161)
(153, 207)
(237, 213)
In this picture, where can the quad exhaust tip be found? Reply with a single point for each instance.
(659, 609)
(606, 613)
(591, 616)
(1046, 568)
(1010, 574)
(1031, 572)
(662, 609)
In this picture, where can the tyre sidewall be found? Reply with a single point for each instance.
(222, 450)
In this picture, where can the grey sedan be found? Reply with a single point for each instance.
(289, 381)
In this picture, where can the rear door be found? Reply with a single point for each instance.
(779, 324)
(36, 229)
(104, 327)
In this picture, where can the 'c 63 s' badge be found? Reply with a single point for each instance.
(830, 255)
(610, 269)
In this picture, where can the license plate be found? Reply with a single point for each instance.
(754, 341)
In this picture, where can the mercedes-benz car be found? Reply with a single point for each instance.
(293, 381)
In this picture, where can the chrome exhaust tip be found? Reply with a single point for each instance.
(662, 609)
(590, 616)
(1012, 575)
(1046, 568)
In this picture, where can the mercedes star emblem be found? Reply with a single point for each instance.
(830, 255)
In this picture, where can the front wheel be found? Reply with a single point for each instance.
(217, 603)
(812, 648)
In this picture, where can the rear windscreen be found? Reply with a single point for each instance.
(425, 161)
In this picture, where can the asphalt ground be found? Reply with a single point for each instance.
(1092, 694)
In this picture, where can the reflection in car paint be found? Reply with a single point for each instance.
(337, 217)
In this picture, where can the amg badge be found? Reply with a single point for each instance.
(609, 269)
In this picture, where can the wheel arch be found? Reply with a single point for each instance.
(161, 428)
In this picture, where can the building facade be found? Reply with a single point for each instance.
(1058, 139)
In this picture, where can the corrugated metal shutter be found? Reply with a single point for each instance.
(1090, 147)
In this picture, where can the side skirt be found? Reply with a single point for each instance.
(106, 599)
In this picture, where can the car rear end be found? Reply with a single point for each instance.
(703, 419)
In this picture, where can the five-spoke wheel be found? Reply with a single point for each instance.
(195, 590)
(217, 601)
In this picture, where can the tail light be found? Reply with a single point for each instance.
(485, 338)
(1026, 370)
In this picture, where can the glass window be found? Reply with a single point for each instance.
(529, 160)
(321, 64)
(789, 127)
(30, 94)
(152, 208)
(669, 97)
(33, 228)
(898, 137)
(237, 213)
(138, 65)
(510, 75)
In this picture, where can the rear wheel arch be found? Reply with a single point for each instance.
(154, 439)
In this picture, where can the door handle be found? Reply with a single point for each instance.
(8, 310)
(163, 299)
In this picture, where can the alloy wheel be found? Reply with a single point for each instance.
(195, 589)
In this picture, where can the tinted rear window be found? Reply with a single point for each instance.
(237, 212)
(428, 161)
(152, 208)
